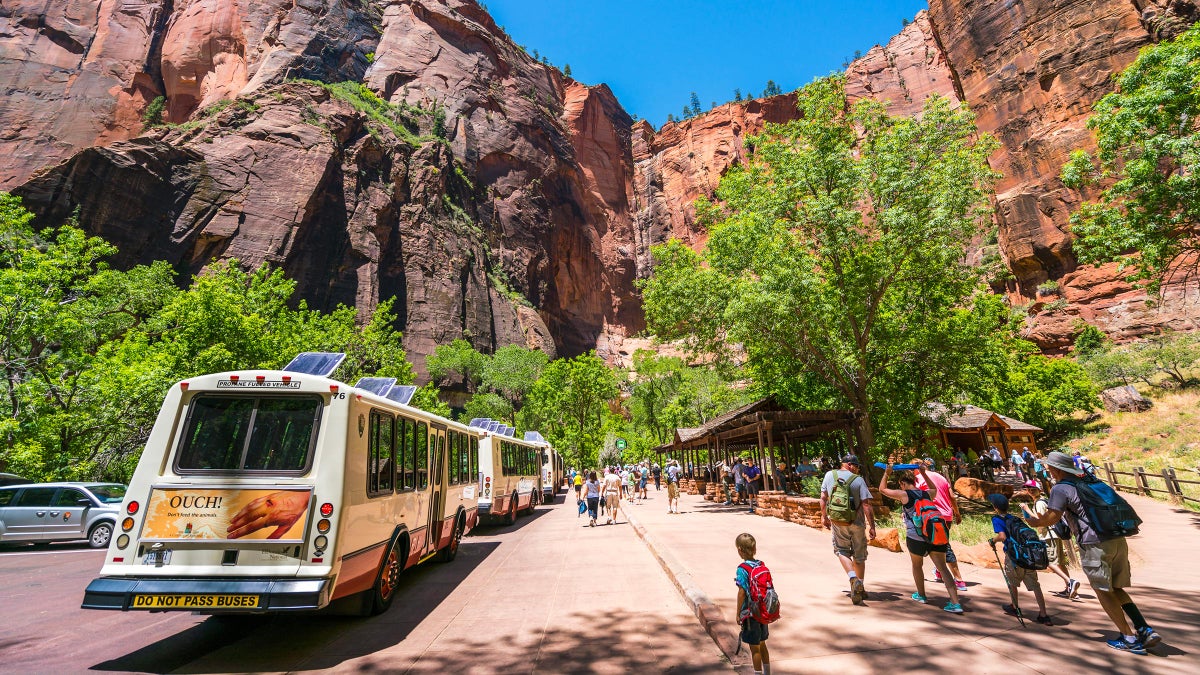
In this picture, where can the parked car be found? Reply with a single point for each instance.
(45, 512)
(11, 479)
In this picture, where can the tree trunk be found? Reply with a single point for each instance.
(864, 437)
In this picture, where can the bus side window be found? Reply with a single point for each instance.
(380, 466)
(464, 459)
(403, 453)
(452, 460)
(422, 455)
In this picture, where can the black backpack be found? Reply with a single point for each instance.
(1106, 511)
(1023, 546)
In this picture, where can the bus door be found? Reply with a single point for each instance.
(437, 460)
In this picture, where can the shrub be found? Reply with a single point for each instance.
(152, 116)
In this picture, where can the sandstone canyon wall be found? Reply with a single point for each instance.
(515, 205)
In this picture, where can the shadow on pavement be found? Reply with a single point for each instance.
(523, 519)
(280, 642)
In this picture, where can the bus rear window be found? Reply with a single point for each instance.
(241, 433)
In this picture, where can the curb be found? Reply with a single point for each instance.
(702, 606)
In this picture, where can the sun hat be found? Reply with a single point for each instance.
(1059, 460)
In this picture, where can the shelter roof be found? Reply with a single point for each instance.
(970, 418)
(744, 424)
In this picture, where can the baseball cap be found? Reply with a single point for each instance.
(851, 459)
(999, 501)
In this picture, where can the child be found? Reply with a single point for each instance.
(1014, 574)
(753, 633)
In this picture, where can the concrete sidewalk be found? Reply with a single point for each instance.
(821, 631)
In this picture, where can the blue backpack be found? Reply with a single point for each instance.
(1023, 546)
(1106, 511)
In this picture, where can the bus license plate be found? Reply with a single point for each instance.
(158, 558)
(183, 601)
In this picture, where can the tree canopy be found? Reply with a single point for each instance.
(1149, 157)
(836, 260)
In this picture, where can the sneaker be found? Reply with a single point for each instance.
(727, 504)
(960, 585)
(1148, 637)
(1072, 588)
(1010, 610)
(1044, 619)
(953, 608)
(937, 576)
(858, 593)
(919, 598)
(1121, 645)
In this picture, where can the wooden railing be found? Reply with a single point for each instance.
(1172, 485)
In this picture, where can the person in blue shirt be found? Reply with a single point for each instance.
(753, 633)
(1013, 574)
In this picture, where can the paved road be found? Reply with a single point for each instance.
(547, 595)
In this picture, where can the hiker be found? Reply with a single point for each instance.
(1013, 573)
(1018, 464)
(753, 633)
(1056, 547)
(643, 479)
(739, 481)
(612, 495)
(593, 497)
(656, 471)
(578, 480)
(673, 472)
(947, 505)
(727, 482)
(1104, 561)
(846, 511)
(631, 477)
(918, 546)
(754, 477)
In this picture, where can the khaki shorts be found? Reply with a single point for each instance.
(850, 541)
(612, 503)
(1056, 552)
(672, 490)
(1106, 564)
(1016, 575)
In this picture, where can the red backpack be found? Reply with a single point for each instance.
(929, 521)
(762, 601)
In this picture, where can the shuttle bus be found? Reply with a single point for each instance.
(552, 467)
(265, 491)
(511, 470)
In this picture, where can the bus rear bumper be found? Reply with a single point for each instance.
(206, 595)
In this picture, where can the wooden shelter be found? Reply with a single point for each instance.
(766, 432)
(971, 428)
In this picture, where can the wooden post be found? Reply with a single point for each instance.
(1139, 475)
(1111, 471)
(1172, 486)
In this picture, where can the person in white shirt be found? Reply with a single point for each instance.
(612, 494)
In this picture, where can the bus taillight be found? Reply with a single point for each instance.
(132, 508)
(327, 509)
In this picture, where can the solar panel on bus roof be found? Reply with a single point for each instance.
(534, 437)
(379, 386)
(402, 394)
(477, 422)
(509, 431)
(321, 364)
(493, 426)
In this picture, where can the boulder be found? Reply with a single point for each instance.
(979, 555)
(888, 538)
(973, 488)
(1124, 399)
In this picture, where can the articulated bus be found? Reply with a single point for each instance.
(265, 491)
(511, 469)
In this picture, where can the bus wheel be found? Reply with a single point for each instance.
(451, 551)
(511, 517)
(389, 578)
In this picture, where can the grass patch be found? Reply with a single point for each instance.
(398, 118)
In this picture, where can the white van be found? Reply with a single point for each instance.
(264, 491)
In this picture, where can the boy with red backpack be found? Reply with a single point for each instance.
(758, 604)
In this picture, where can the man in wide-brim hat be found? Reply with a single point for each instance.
(1104, 561)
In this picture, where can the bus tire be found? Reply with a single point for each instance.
(510, 518)
(451, 551)
(384, 591)
(535, 498)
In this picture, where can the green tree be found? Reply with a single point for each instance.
(511, 373)
(1017, 380)
(567, 70)
(490, 405)
(737, 95)
(654, 385)
(772, 89)
(837, 259)
(569, 405)
(1149, 156)
(695, 100)
(457, 360)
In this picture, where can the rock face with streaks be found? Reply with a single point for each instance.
(495, 198)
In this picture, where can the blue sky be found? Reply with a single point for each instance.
(654, 53)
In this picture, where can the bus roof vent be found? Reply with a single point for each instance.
(380, 386)
(480, 423)
(321, 364)
(534, 437)
(401, 394)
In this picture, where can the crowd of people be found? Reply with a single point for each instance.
(600, 494)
